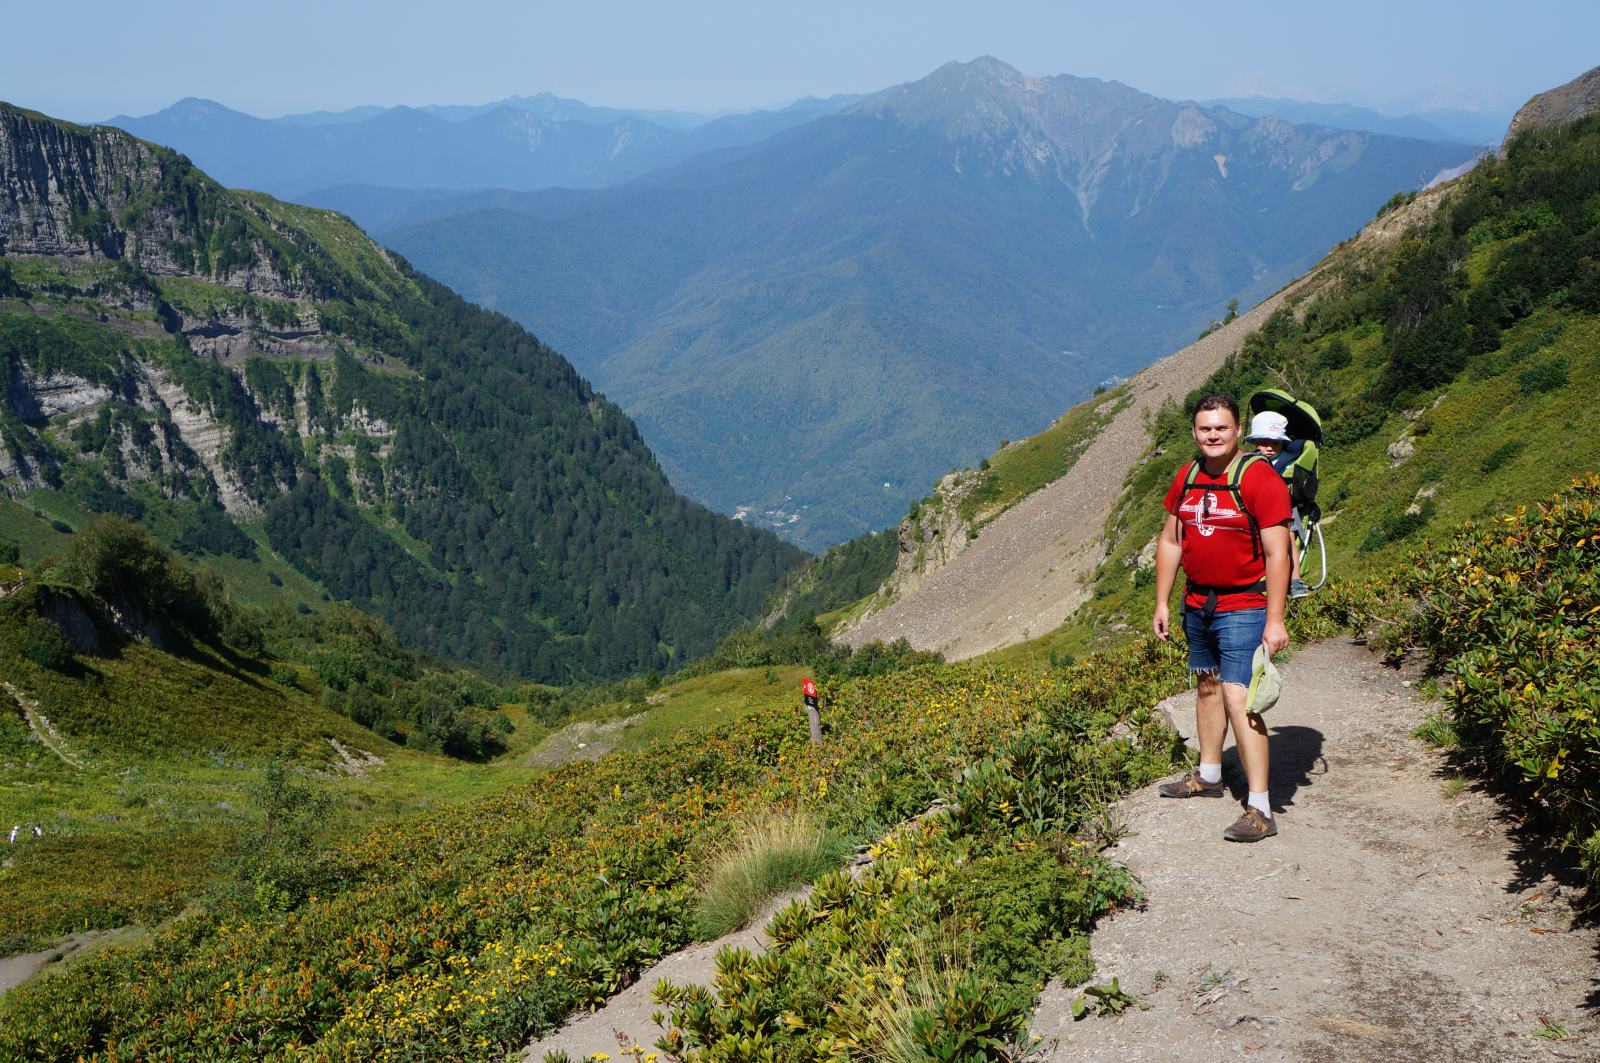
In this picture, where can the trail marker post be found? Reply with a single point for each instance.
(808, 690)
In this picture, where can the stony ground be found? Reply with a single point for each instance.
(1388, 920)
(579, 740)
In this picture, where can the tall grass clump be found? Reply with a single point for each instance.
(767, 856)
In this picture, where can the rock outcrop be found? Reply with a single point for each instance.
(95, 192)
(1576, 99)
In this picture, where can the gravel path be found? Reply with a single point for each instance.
(1386, 921)
(1027, 570)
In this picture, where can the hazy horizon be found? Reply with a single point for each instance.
(718, 56)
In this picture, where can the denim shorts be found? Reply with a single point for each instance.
(1225, 645)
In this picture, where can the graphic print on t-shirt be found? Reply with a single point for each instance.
(1205, 511)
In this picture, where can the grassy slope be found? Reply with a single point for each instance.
(1018, 469)
(703, 702)
(1549, 437)
(171, 748)
(249, 580)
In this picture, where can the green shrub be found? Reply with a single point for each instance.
(1511, 613)
(117, 562)
(1396, 526)
(281, 863)
(10, 552)
(41, 642)
(1399, 199)
(1502, 454)
(1541, 378)
(1336, 355)
(1355, 421)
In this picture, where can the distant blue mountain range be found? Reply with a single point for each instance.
(812, 328)
(522, 143)
(1446, 124)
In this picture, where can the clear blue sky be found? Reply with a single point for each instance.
(96, 58)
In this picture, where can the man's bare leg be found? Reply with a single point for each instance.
(1210, 718)
(1250, 735)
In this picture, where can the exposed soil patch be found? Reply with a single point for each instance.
(41, 726)
(1386, 921)
(14, 970)
(581, 740)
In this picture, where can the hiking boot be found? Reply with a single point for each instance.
(1191, 785)
(1298, 589)
(1251, 827)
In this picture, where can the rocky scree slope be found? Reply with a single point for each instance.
(1026, 572)
(221, 359)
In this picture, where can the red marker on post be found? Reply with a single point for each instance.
(808, 689)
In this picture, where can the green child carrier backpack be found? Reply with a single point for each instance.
(1302, 474)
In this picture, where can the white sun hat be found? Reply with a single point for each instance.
(1268, 427)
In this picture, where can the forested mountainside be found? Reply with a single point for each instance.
(244, 375)
(811, 329)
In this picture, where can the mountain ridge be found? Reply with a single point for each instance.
(199, 355)
(837, 261)
(1053, 558)
(521, 143)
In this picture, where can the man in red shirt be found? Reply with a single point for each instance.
(1228, 526)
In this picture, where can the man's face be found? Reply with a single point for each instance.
(1216, 432)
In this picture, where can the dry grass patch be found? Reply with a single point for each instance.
(769, 855)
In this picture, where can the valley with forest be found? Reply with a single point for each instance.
(412, 559)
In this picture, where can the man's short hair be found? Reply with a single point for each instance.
(1215, 401)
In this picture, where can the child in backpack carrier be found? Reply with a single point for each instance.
(1270, 433)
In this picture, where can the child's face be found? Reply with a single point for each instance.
(1267, 448)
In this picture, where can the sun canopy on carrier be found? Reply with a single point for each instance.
(1301, 474)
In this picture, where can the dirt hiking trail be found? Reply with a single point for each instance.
(1386, 921)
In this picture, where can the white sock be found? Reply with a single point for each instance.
(1260, 803)
(1210, 773)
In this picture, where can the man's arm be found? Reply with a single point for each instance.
(1168, 553)
(1275, 544)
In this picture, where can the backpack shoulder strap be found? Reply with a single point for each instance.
(1237, 468)
(1190, 472)
(1236, 473)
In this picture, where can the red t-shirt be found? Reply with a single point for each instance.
(1216, 537)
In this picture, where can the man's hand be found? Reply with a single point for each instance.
(1160, 623)
(1276, 636)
